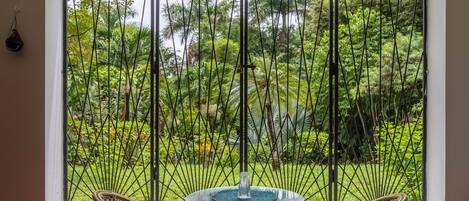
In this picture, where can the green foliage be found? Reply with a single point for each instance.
(381, 75)
(402, 144)
(309, 147)
(126, 143)
(402, 141)
(204, 151)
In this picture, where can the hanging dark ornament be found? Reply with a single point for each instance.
(14, 43)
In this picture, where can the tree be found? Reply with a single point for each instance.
(274, 105)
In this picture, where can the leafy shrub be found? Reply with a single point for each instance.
(307, 148)
(227, 156)
(169, 150)
(176, 150)
(262, 151)
(402, 144)
(127, 142)
(218, 153)
(206, 152)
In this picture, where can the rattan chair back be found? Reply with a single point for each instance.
(104, 195)
(393, 197)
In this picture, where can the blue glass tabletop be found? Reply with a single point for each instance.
(232, 195)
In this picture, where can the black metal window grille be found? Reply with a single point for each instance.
(325, 98)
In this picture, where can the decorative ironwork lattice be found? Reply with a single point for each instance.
(325, 98)
(380, 94)
(109, 112)
(199, 106)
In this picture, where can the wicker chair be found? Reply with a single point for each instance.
(393, 197)
(103, 195)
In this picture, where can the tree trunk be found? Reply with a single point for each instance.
(125, 111)
(276, 162)
(283, 32)
(127, 103)
(161, 127)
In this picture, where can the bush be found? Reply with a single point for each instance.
(202, 152)
(127, 142)
(309, 147)
(168, 150)
(216, 152)
(227, 156)
(402, 145)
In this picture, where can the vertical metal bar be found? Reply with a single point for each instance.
(152, 107)
(245, 74)
(243, 84)
(336, 94)
(331, 103)
(333, 97)
(64, 94)
(155, 95)
(241, 88)
(425, 73)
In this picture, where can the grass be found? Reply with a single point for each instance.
(311, 181)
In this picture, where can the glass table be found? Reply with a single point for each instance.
(257, 193)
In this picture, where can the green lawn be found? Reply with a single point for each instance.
(311, 181)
